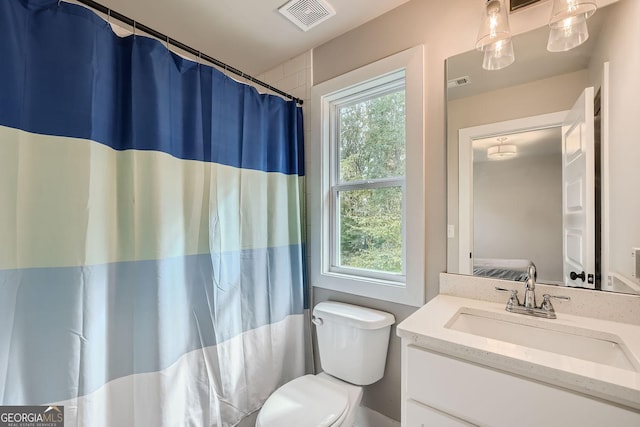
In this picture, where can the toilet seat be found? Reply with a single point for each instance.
(307, 401)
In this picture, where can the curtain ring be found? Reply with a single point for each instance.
(109, 16)
(168, 48)
(59, 1)
(134, 29)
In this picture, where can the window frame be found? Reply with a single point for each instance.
(407, 288)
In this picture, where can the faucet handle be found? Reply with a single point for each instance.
(513, 299)
(547, 297)
(546, 302)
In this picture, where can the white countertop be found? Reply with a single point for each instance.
(426, 328)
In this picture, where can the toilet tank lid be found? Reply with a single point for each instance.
(353, 315)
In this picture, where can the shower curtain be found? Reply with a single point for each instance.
(151, 228)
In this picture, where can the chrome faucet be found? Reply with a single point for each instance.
(530, 287)
(529, 307)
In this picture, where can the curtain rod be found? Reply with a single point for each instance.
(136, 25)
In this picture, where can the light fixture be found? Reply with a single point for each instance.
(498, 55)
(502, 151)
(568, 23)
(494, 36)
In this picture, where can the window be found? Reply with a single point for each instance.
(366, 181)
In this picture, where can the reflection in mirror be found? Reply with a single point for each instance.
(563, 202)
(517, 205)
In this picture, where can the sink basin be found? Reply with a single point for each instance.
(606, 349)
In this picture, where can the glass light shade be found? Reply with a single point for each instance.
(501, 152)
(498, 55)
(572, 33)
(564, 9)
(494, 26)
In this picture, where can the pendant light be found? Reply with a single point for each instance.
(498, 55)
(502, 151)
(568, 24)
(494, 36)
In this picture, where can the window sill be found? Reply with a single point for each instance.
(385, 290)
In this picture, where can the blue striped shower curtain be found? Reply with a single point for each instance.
(151, 228)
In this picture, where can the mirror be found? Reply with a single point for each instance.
(580, 226)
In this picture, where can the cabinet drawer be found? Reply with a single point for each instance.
(423, 416)
(488, 397)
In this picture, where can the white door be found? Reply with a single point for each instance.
(578, 193)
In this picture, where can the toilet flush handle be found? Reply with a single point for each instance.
(317, 321)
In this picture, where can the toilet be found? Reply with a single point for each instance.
(352, 342)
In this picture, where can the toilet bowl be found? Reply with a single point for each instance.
(312, 400)
(353, 343)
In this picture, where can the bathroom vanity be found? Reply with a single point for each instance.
(466, 361)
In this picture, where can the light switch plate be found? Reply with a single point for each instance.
(451, 231)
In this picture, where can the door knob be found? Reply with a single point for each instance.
(575, 276)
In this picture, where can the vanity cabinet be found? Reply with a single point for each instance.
(419, 415)
(443, 391)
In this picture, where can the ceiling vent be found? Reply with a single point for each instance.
(306, 14)
(459, 81)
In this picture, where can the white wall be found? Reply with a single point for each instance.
(517, 210)
(293, 77)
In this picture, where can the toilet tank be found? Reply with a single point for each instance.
(352, 341)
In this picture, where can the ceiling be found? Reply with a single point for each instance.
(250, 35)
(538, 142)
